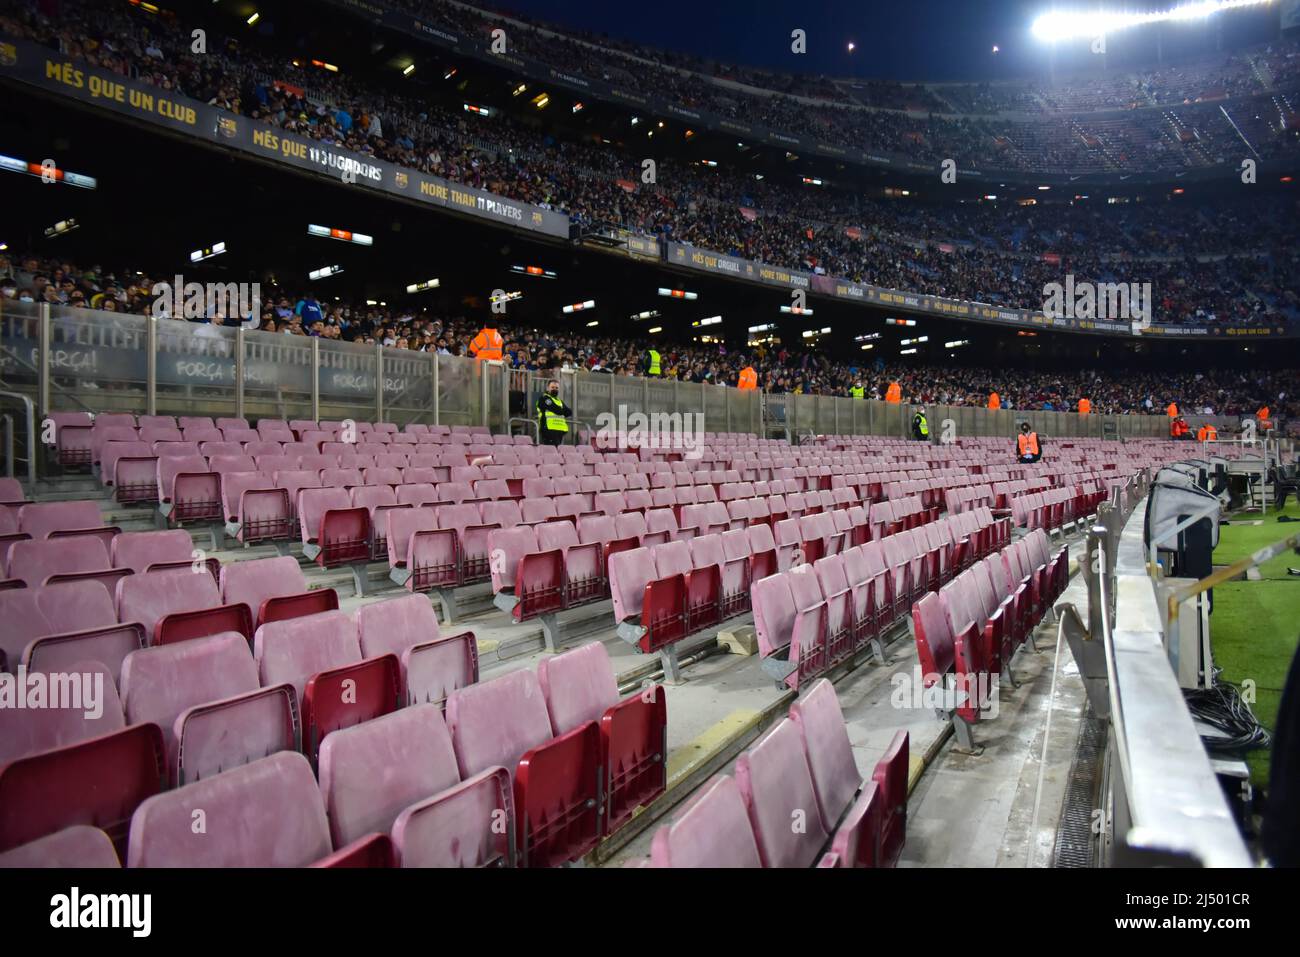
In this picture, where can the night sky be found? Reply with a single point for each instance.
(914, 40)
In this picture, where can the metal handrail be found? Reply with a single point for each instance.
(30, 410)
(1172, 798)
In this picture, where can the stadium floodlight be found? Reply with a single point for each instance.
(891, 321)
(480, 110)
(507, 296)
(955, 343)
(1074, 24)
(521, 88)
(764, 327)
(796, 310)
(343, 235)
(253, 19)
(648, 314)
(62, 227)
(867, 338)
(868, 345)
(537, 272)
(593, 323)
(710, 321)
(653, 329)
(329, 66)
(579, 306)
(207, 252)
(907, 352)
(450, 73)
(677, 293)
(324, 272)
(424, 286)
(708, 162)
(408, 69)
(811, 181)
(49, 172)
(578, 107)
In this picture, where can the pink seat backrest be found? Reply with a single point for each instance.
(291, 651)
(713, 831)
(270, 812)
(150, 597)
(777, 788)
(495, 722)
(579, 686)
(373, 771)
(835, 775)
(159, 683)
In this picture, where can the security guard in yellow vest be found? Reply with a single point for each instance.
(551, 413)
(920, 426)
(857, 391)
(651, 363)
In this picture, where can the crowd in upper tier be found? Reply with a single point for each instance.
(780, 369)
(598, 56)
(1231, 263)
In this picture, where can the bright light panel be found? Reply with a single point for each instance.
(1066, 24)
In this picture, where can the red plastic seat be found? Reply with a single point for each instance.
(432, 665)
(890, 778)
(98, 782)
(579, 687)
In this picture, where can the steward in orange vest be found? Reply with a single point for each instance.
(1172, 411)
(894, 393)
(1262, 417)
(1085, 406)
(488, 344)
(748, 379)
(1207, 433)
(1028, 448)
(995, 401)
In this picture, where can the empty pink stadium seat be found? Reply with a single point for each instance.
(94, 710)
(433, 666)
(774, 782)
(713, 832)
(268, 814)
(371, 773)
(76, 847)
(159, 683)
(98, 782)
(63, 608)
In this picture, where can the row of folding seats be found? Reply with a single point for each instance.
(526, 769)
(968, 632)
(39, 521)
(74, 556)
(158, 593)
(805, 762)
(666, 592)
(541, 571)
(962, 499)
(814, 615)
(78, 440)
(1004, 491)
(190, 712)
(1052, 508)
